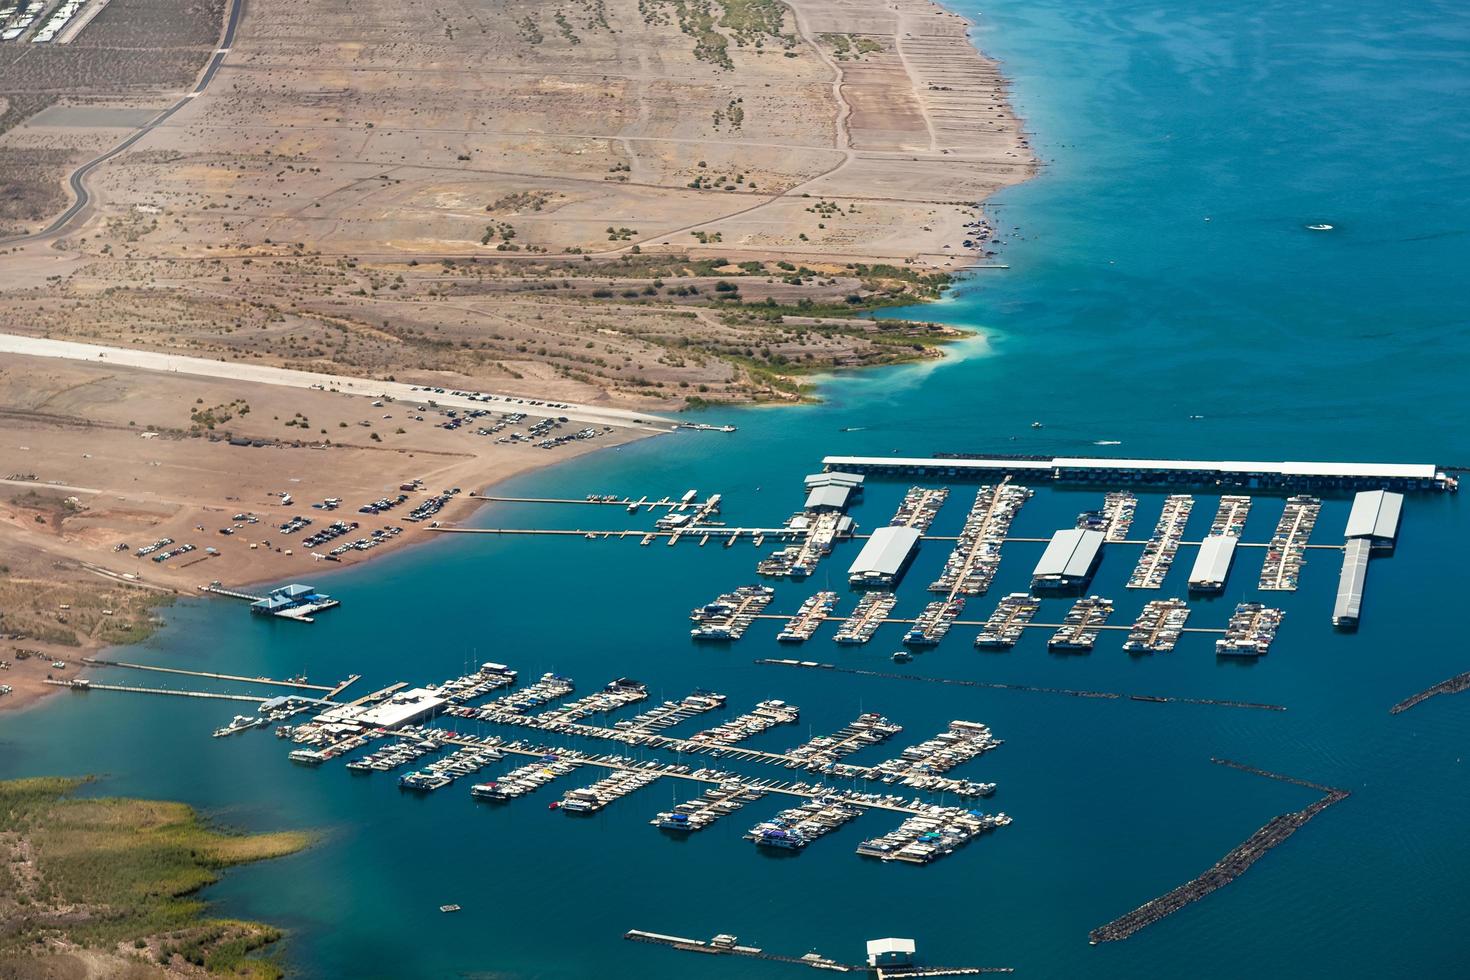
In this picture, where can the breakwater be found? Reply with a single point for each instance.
(1235, 862)
(1033, 688)
(1454, 685)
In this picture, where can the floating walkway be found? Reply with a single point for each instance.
(299, 685)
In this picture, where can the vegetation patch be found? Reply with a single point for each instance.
(121, 876)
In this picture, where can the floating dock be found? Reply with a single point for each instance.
(730, 615)
(972, 565)
(1116, 517)
(1079, 630)
(813, 613)
(1158, 554)
(1158, 627)
(1009, 621)
(1287, 553)
(871, 612)
(1251, 631)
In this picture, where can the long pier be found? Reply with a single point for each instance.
(773, 533)
(1454, 685)
(730, 946)
(299, 685)
(1035, 689)
(1235, 862)
(1163, 473)
(89, 686)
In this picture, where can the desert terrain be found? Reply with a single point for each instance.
(637, 205)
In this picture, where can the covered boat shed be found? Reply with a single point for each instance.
(1069, 559)
(1212, 564)
(885, 557)
(1375, 517)
(1349, 605)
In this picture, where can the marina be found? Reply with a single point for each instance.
(719, 801)
(823, 752)
(730, 615)
(1158, 627)
(796, 828)
(934, 622)
(1009, 621)
(1250, 632)
(919, 508)
(1231, 515)
(929, 836)
(607, 790)
(525, 780)
(972, 565)
(1163, 544)
(814, 611)
(766, 715)
(1287, 553)
(871, 612)
(1078, 633)
(1115, 519)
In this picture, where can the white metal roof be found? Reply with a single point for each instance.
(1070, 553)
(886, 551)
(834, 497)
(402, 708)
(1409, 471)
(877, 947)
(837, 478)
(1375, 514)
(1212, 564)
(1350, 586)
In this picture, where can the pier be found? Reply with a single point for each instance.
(1235, 862)
(1158, 553)
(726, 945)
(82, 685)
(299, 685)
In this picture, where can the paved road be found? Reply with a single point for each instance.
(263, 374)
(83, 197)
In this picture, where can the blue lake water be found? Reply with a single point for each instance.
(1124, 313)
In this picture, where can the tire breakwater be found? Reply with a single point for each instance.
(1235, 862)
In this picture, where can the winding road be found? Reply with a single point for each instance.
(83, 197)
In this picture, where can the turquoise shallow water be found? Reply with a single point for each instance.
(1124, 313)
